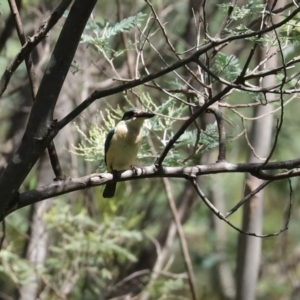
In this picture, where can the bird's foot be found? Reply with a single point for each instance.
(157, 167)
(135, 170)
(157, 164)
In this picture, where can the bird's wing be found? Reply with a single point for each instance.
(107, 142)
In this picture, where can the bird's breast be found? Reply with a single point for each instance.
(123, 148)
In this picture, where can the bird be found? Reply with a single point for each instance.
(122, 144)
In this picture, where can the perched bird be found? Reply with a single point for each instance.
(122, 144)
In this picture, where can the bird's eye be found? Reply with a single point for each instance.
(128, 115)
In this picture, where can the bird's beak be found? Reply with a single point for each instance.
(143, 114)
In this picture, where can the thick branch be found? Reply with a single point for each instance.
(32, 42)
(74, 184)
(34, 86)
(188, 122)
(36, 137)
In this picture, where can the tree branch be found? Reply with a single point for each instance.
(74, 184)
(32, 42)
(194, 57)
(182, 239)
(34, 87)
(223, 218)
(36, 137)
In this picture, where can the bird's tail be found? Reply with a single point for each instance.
(109, 190)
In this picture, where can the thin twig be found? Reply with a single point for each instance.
(129, 62)
(32, 42)
(283, 81)
(222, 217)
(183, 243)
(227, 20)
(183, 128)
(28, 60)
(221, 130)
(246, 198)
(294, 97)
(196, 148)
(203, 49)
(245, 105)
(34, 87)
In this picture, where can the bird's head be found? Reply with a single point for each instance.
(135, 115)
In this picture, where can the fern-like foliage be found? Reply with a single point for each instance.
(252, 8)
(81, 245)
(123, 26)
(14, 267)
(84, 245)
(91, 146)
(173, 289)
(227, 66)
(290, 32)
(98, 34)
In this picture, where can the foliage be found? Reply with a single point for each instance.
(82, 246)
(98, 34)
(227, 66)
(87, 246)
(91, 147)
(168, 289)
(17, 269)
(241, 12)
(289, 33)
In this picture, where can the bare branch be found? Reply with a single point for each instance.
(222, 217)
(34, 87)
(203, 49)
(37, 137)
(32, 42)
(74, 184)
(183, 243)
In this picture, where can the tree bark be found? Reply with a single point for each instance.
(249, 248)
(36, 137)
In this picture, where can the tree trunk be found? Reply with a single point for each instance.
(249, 248)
